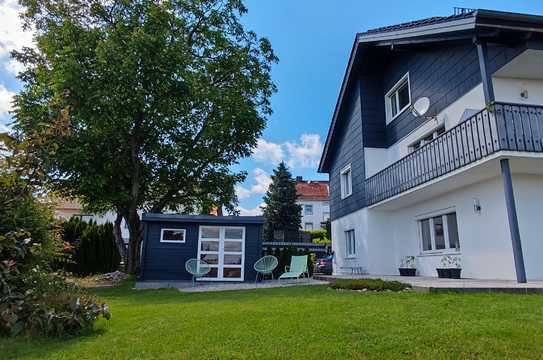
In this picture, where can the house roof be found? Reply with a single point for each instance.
(437, 28)
(202, 219)
(312, 190)
(418, 23)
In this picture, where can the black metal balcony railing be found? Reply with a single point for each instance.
(503, 126)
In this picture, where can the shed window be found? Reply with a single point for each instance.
(172, 235)
(398, 98)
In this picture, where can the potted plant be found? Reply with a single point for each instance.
(407, 266)
(450, 267)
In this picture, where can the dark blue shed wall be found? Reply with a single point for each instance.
(166, 261)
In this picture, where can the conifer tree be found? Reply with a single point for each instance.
(281, 213)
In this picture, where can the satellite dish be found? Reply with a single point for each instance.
(420, 107)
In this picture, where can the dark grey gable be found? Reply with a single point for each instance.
(348, 149)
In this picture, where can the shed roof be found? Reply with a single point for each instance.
(202, 219)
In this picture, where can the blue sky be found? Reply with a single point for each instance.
(312, 39)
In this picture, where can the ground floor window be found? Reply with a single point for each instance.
(308, 226)
(439, 233)
(350, 243)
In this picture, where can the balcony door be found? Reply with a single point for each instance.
(223, 248)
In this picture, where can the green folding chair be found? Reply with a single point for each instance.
(297, 268)
(265, 266)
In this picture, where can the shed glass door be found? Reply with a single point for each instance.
(223, 248)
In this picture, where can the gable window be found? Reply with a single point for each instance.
(350, 244)
(439, 233)
(427, 138)
(308, 209)
(172, 235)
(346, 182)
(398, 98)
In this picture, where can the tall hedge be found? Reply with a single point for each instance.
(92, 247)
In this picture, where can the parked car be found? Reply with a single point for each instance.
(324, 265)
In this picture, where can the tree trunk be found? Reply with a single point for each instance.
(135, 230)
(118, 234)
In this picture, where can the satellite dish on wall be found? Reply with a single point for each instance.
(420, 107)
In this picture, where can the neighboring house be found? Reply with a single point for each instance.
(230, 244)
(314, 197)
(465, 178)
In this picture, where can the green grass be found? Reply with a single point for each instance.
(312, 322)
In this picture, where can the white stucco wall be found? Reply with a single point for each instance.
(384, 237)
(509, 89)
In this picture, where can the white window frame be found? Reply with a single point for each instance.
(389, 95)
(306, 206)
(348, 253)
(346, 192)
(430, 217)
(221, 253)
(184, 231)
(434, 133)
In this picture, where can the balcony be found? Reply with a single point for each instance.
(501, 127)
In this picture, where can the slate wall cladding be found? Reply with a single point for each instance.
(166, 261)
(443, 73)
(349, 149)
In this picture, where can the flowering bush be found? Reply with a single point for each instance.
(450, 262)
(408, 262)
(33, 299)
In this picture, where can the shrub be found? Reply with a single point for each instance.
(368, 284)
(92, 247)
(34, 300)
(319, 236)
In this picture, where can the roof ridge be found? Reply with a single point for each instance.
(417, 23)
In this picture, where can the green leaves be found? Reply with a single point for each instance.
(160, 97)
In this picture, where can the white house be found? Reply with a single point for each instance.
(436, 147)
(314, 197)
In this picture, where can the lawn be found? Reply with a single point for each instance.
(309, 322)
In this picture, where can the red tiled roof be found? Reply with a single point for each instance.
(312, 190)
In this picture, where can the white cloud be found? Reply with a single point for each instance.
(256, 211)
(12, 35)
(3, 128)
(303, 154)
(6, 97)
(307, 153)
(242, 193)
(268, 151)
(262, 181)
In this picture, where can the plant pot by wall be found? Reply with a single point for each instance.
(455, 273)
(449, 273)
(407, 272)
(443, 273)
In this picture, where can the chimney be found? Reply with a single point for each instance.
(299, 179)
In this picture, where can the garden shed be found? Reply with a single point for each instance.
(230, 244)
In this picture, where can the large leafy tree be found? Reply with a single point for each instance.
(281, 212)
(142, 105)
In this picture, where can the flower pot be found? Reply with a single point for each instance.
(443, 273)
(449, 273)
(407, 272)
(455, 273)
